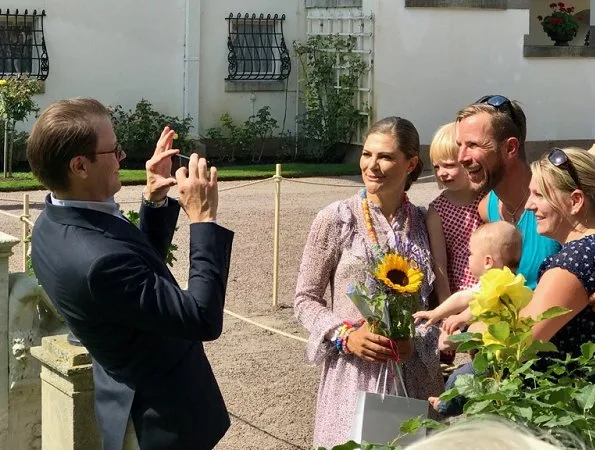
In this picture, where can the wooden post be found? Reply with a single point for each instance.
(278, 179)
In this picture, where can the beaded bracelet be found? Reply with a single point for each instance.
(341, 335)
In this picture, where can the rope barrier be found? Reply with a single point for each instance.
(247, 184)
(291, 180)
(271, 329)
(14, 216)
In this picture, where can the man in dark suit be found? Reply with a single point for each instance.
(110, 281)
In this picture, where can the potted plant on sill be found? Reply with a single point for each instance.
(560, 25)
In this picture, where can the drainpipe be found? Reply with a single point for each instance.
(592, 25)
(190, 94)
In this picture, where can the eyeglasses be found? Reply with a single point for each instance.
(118, 151)
(561, 160)
(499, 102)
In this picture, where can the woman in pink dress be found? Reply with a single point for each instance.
(341, 241)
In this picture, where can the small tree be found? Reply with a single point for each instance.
(16, 104)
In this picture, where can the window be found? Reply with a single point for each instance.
(22, 45)
(257, 49)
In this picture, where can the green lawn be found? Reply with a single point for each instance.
(24, 181)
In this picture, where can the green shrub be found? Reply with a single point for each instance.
(138, 130)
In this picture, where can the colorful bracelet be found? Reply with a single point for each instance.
(341, 335)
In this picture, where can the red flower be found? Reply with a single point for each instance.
(561, 5)
(555, 21)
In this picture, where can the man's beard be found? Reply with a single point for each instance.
(495, 176)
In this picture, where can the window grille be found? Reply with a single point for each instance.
(257, 49)
(22, 45)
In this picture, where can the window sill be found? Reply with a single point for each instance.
(333, 3)
(551, 51)
(255, 85)
(477, 4)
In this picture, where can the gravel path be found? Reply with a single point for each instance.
(268, 389)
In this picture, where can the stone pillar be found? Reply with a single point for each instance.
(6, 244)
(67, 403)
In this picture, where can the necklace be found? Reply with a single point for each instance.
(370, 225)
(513, 213)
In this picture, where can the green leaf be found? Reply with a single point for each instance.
(554, 311)
(473, 407)
(468, 346)
(588, 350)
(585, 397)
(449, 395)
(556, 422)
(540, 346)
(500, 330)
(469, 385)
(480, 362)
(464, 337)
(525, 412)
(351, 445)
(411, 426)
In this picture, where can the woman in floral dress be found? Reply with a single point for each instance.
(340, 244)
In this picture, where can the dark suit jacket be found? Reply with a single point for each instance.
(144, 333)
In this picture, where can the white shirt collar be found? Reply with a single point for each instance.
(109, 206)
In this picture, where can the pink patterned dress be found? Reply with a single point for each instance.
(458, 222)
(335, 255)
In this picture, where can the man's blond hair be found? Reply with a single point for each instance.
(502, 123)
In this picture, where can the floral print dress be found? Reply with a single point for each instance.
(335, 256)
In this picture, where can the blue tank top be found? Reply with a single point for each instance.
(536, 248)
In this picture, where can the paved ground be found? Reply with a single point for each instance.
(269, 390)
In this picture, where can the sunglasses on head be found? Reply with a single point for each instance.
(499, 102)
(561, 160)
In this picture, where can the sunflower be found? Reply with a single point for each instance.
(399, 274)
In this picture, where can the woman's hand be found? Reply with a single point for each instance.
(375, 348)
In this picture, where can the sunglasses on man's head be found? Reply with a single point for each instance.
(499, 102)
(560, 159)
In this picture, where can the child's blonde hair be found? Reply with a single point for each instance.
(502, 241)
(444, 145)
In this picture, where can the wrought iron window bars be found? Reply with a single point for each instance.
(257, 49)
(22, 45)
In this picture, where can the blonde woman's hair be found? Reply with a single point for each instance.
(551, 179)
(492, 434)
(444, 145)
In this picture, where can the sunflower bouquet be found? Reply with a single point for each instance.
(389, 296)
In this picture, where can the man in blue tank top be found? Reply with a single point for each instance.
(491, 138)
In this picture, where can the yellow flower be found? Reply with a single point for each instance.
(2, 82)
(399, 274)
(500, 290)
(175, 136)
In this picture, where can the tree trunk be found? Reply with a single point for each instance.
(4, 167)
(10, 148)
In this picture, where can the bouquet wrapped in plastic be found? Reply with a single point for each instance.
(389, 296)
